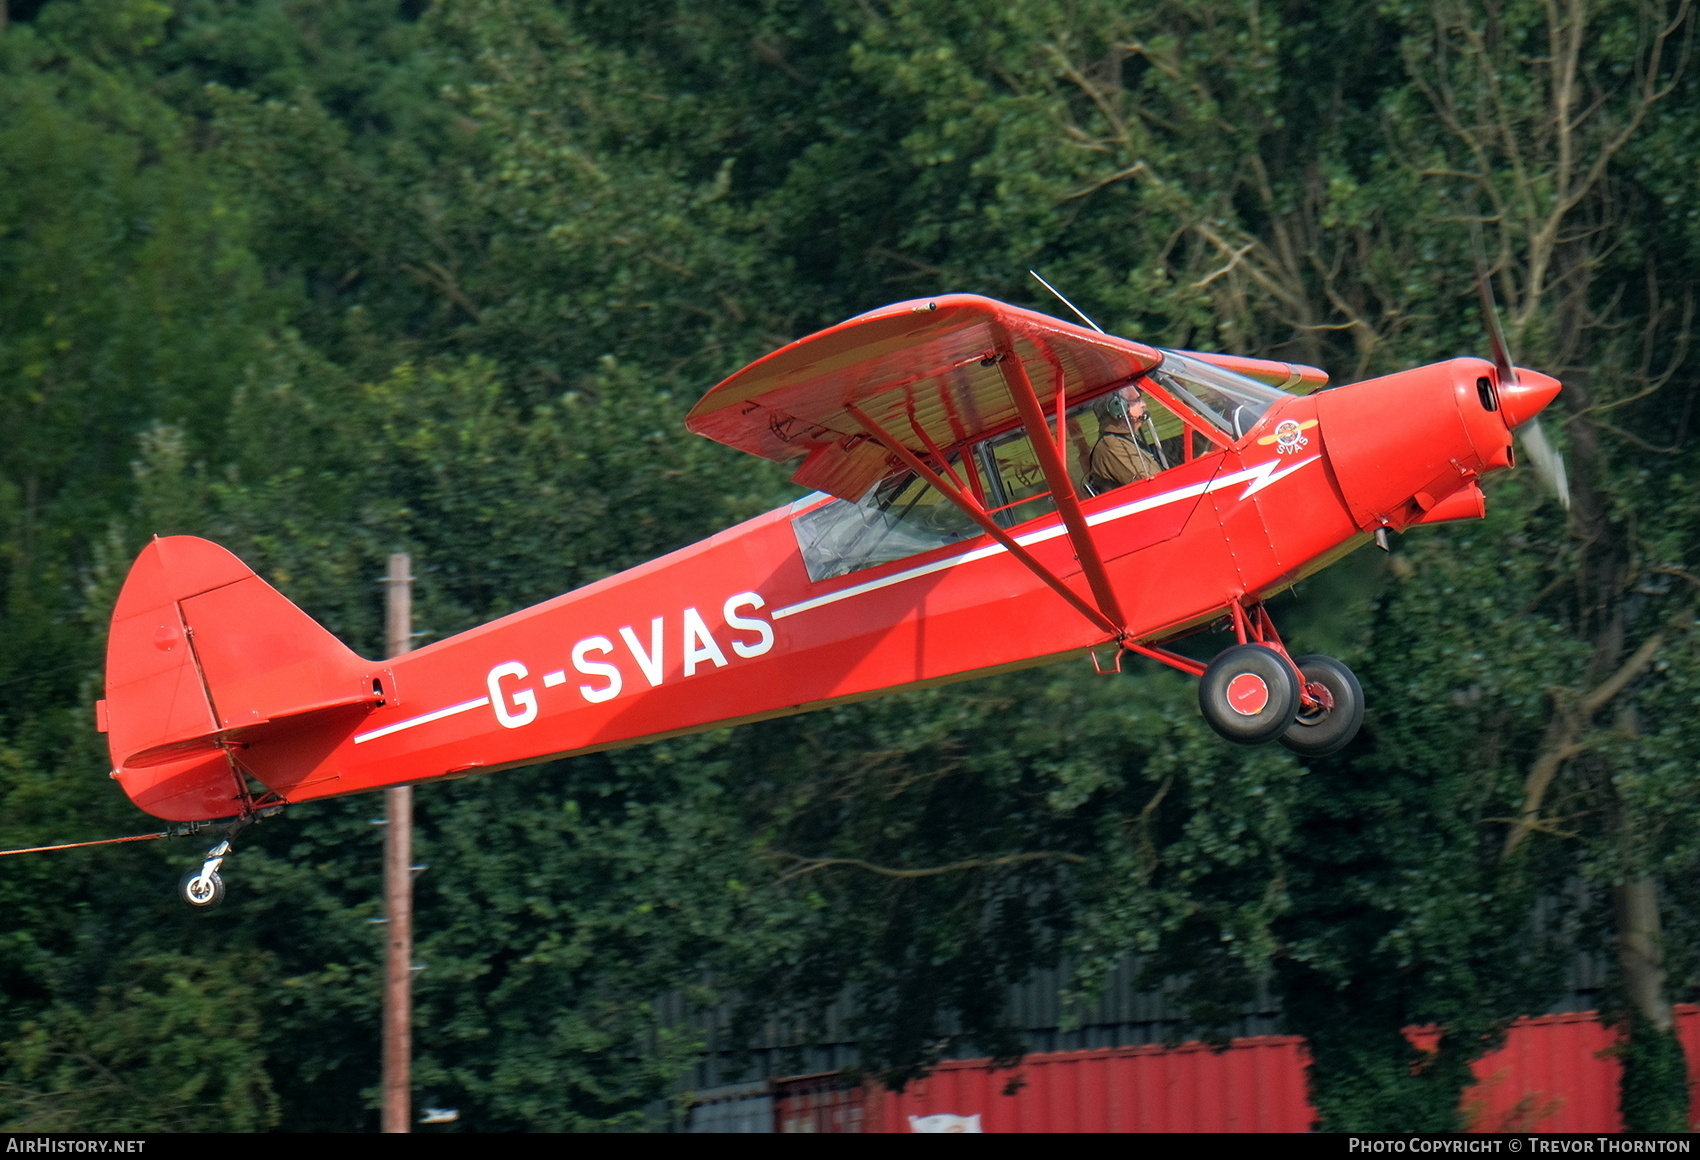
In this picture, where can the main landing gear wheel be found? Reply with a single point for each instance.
(203, 889)
(1332, 725)
(1249, 694)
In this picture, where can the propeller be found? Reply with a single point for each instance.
(1543, 456)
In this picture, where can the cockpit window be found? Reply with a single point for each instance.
(1231, 401)
(1014, 482)
(904, 515)
(898, 518)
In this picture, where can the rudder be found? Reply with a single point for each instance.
(201, 650)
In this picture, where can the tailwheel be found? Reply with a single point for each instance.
(1338, 713)
(203, 889)
(1249, 694)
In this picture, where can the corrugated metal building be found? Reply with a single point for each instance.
(1112, 1074)
(1124, 1016)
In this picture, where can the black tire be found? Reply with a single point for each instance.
(1249, 694)
(1328, 730)
(201, 895)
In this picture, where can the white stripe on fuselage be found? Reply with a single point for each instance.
(423, 719)
(1256, 478)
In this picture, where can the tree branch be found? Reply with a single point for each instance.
(442, 281)
(1564, 740)
(1615, 684)
(809, 865)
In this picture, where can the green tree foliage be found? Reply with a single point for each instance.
(174, 1051)
(324, 280)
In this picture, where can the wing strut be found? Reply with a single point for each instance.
(972, 509)
(1056, 475)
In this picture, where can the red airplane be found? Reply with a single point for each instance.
(958, 529)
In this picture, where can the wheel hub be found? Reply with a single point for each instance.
(1248, 694)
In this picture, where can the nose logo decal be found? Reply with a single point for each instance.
(1289, 436)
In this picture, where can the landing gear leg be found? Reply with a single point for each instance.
(203, 889)
(1255, 691)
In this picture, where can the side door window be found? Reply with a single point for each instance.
(1012, 479)
(900, 517)
(1105, 445)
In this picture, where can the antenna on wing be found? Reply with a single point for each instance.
(1066, 302)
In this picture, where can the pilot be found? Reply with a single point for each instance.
(1116, 458)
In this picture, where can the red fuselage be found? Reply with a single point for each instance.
(732, 629)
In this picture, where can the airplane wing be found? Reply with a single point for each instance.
(925, 370)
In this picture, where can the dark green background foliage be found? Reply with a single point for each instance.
(327, 279)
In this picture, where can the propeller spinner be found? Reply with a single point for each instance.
(1521, 403)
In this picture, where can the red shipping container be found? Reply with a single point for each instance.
(1556, 1073)
(1550, 1076)
(1559, 1073)
(1256, 1085)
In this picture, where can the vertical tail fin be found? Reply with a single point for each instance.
(201, 650)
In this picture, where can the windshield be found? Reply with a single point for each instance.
(1230, 401)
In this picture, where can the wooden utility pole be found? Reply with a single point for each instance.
(398, 888)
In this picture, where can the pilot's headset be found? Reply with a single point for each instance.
(1113, 407)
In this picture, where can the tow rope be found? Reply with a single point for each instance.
(99, 842)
